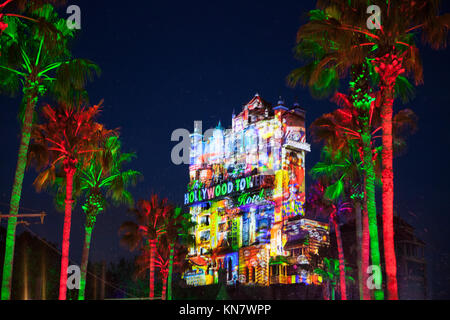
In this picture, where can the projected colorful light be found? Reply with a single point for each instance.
(246, 194)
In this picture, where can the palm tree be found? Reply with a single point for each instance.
(330, 273)
(166, 259)
(67, 140)
(318, 204)
(348, 129)
(161, 261)
(39, 61)
(179, 227)
(347, 171)
(337, 38)
(145, 234)
(104, 178)
(19, 6)
(354, 127)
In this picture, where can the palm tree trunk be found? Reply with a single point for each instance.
(341, 261)
(389, 67)
(357, 206)
(30, 98)
(85, 257)
(372, 211)
(152, 268)
(387, 177)
(164, 287)
(70, 171)
(333, 293)
(169, 285)
(365, 252)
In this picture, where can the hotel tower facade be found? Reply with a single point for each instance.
(246, 196)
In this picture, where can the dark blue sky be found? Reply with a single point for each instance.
(165, 64)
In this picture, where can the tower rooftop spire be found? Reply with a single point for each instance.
(280, 105)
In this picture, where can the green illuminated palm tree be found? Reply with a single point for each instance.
(179, 226)
(104, 178)
(66, 143)
(330, 273)
(37, 61)
(337, 38)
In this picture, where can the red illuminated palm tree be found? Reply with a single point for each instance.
(337, 38)
(65, 142)
(146, 231)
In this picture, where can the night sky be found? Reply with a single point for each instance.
(165, 64)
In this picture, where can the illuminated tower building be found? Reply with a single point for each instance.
(246, 194)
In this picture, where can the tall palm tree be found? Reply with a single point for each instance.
(318, 204)
(147, 231)
(104, 178)
(38, 62)
(67, 139)
(354, 127)
(338, 28)
(343, 130)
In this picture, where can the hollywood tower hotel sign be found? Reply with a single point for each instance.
(246, 195)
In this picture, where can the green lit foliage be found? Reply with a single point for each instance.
(343, 171)
(175, 243)
(37, 57)
(317, 205)
(104, 177)
(179, 226)
(330, 274)
(94, 204)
